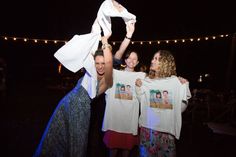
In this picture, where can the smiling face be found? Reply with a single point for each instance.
(131, 61)
(158, 95)
(100, 65)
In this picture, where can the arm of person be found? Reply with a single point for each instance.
(130, 27)
(139, 92)
(108, 67)
(184, 103)
(107, 80)
(183, 80)
(118, 6)
(107, 52)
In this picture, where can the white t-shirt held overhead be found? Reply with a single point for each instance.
(122, 105)
(161, 101)
(78, 52)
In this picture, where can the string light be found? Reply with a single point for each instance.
(142, 42)
(25, 39)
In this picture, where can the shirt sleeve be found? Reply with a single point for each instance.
(116, 63)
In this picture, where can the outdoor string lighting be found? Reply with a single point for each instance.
(141, 42)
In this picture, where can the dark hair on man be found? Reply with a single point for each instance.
(99, 52)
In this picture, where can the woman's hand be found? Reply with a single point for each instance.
(130, 28)
(183, 80)
(104, 39)
(138, 82)
(118, 6)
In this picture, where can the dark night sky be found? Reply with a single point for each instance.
(31, 68)
(156, 20)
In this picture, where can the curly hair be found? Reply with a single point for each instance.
(167, 65)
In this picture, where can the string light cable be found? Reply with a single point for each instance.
(140, 42)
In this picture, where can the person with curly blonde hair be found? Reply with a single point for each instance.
(160, 124)
(162, 65)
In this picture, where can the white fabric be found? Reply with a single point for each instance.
(73, 54)
(78, 52)
(122, 106)
(108, 10)
(157, 115)
(184, 104)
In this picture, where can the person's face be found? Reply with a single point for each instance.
(158, 95)
(100, 65)
(155, 62)
(132, 60)
(165, 94)
(128, 88)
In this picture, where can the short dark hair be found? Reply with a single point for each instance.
(99, 52)
(127, 54)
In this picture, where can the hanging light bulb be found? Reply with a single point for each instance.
(207, 75)
(199, 79)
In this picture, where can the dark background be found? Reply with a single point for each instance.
(156, 20)
(34, 87)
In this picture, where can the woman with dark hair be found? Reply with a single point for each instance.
(122, 109)
(67, 131)
(120, 122)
